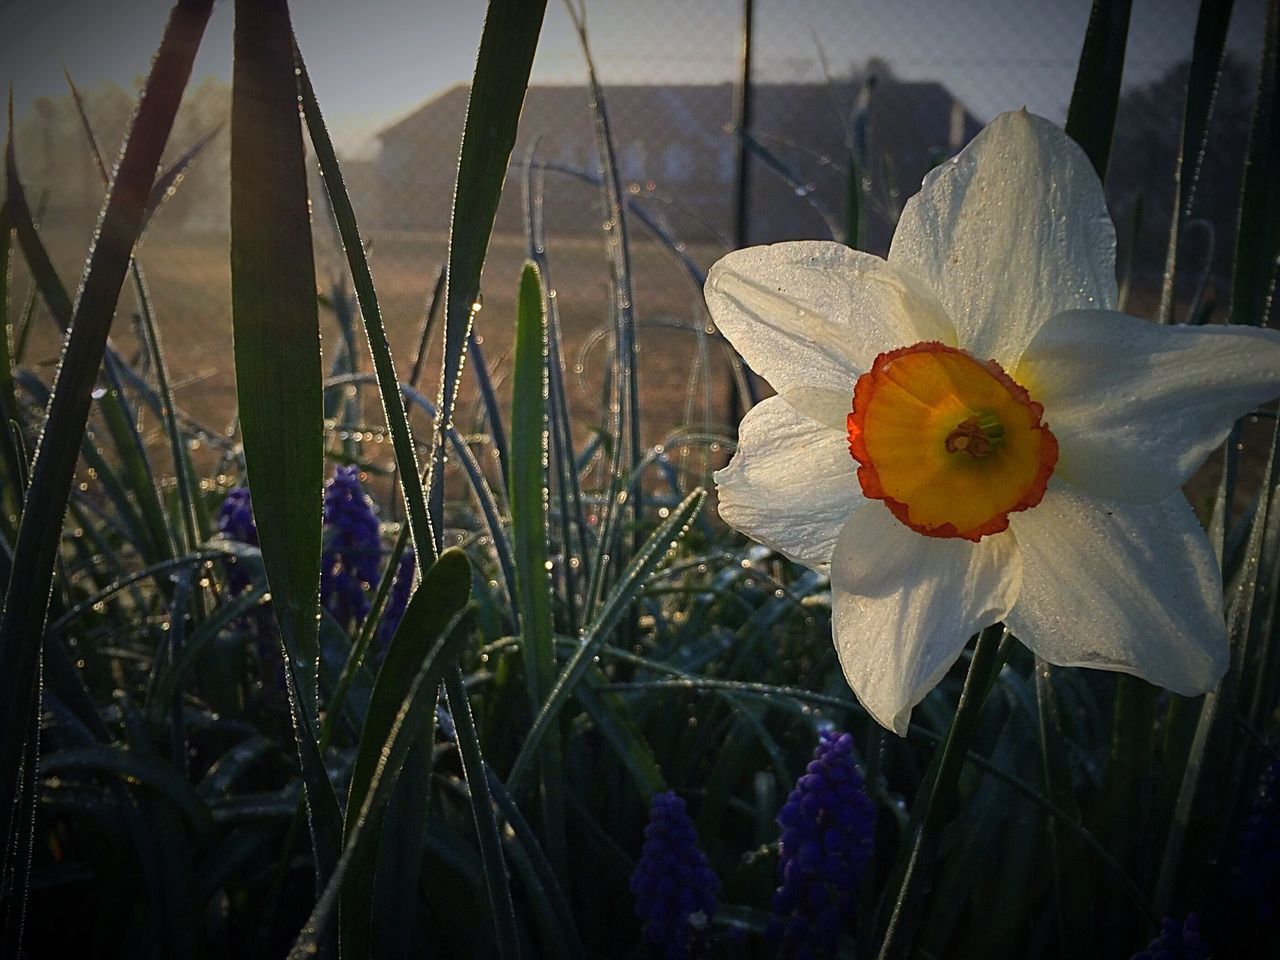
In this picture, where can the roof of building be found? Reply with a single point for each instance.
(815, 115)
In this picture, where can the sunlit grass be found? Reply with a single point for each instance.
(480, 784)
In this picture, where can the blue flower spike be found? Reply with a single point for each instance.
(828, 828)
(352, 550)
(401, 587)
(1255, 875)
(1177, 941)
(235, 522)
(674, 888)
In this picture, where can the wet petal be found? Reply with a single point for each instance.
(816, 313)
(904, 605)
(1137, 407)
(791, 485)
(1012, 231)
(1127, 587)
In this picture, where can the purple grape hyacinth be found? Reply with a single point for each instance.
(674, 888)
(397, 601)
(352, 548)
(828, 827)
(235, 522)
(1177, 941)
(1255, 875)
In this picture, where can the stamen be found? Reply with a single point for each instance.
(950, 443)
(975, 436)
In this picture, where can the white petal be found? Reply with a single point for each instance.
(1128, 587)
(1012, 231)
(816, 313)
(1137, 407)
(831, 408)
(791, 485)
(905, 604)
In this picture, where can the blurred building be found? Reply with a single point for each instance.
(676, 145)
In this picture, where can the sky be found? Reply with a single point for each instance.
(376, 60)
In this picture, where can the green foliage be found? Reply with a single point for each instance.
(39, 533)
(274, 311)
(224, 769)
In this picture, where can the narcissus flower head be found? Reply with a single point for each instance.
(970, 432)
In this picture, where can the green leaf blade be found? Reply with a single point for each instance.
(276, 327)
(1091, 118)
(1258, 235)
(498, 89)
(528, 488)
(624, 591)
(27, 597)
(419, 645)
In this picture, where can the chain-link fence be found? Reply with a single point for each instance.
(852, 104)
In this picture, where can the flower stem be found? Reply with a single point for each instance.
(989, 654)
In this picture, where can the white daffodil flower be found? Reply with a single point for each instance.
(970, 432)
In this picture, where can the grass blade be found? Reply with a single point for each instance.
(1198, 824)
(1091, 118)
(137, 766)
(572, 519)
(625, 589)
(167, 183)
(408, 718)
(920, 846)
(621, 730)
(492, 412)
(479, 488)
(1197, 819)
(1124, 810)
(42, 270)
(434, 606)
(174, 673)
(497, 880)
(1207, 54)
(1258, 239)
(164, 186)
(543, 888)
(626, 452)
(11, 493)
(510, 36)
(123, 428)
(1075, 901)
(393, 408)
(277, 327)
(27, 597)
(527, 484)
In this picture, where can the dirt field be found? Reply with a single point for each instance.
(189, 282)
(188, 277)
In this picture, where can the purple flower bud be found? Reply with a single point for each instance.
(829, 826)
(352, 550)
(235, 522)
(397, 601)
(1177, 941)
(674, 888)
(1255, 875)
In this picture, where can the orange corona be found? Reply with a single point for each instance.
(950, 443)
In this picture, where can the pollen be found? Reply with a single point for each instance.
(975, 437)
(951, 444)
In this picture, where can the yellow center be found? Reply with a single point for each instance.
(950, 443)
